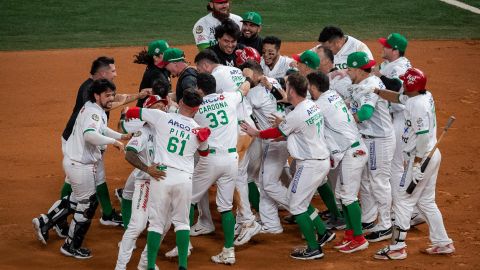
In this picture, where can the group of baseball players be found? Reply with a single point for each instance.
(269, 131)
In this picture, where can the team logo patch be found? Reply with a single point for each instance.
(296, 178)
(95, 117)
(137, 134)
(199, 29)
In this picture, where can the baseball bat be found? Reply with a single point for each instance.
(412, 185)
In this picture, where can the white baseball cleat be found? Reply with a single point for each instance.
(247, 232)
(439, 250)
(266, 229)
(199, 229)
(174, 252)
(237, 229)
(417, 219)
(227, 256)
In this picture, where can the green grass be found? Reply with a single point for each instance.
(49, 24)
(473, 3)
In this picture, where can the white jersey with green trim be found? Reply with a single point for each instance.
(204, 29)
(143, 143)
(392, 70)
(304, 129)
(91, 118)
(351, 45)
(339, 122)
(264, 105)
(419, 118)
(131, 126)
(380, 124)
(229, 79)
(175, 138)
(280, 68)
(219, 113)
(341, 85)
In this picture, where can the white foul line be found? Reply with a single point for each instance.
(462, 5)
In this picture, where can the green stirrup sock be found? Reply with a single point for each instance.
(346, 216)
(306, 227)
(228, 226)
(182, 238)
(254, 196)
(192, 214)
(329, 199)
(66, 190)
(355, 214)
(153, 244)
(126, 212)
(316, 220)
(104, 199)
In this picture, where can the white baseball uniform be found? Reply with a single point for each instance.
(280, 68)
(275, 155)
(304, 129)
(420, 119)
(204, 29)
(82, 156)
(378, 134)
(347, 148)
(175, 145)
(393, 70)
(351, 45)
(219, 113)
(143, 144)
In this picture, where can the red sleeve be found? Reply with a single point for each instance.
(203, 153)
(270, 133)
(133, 113)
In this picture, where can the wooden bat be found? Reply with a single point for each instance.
(412, 185)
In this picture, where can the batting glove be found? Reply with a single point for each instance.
(417, 174)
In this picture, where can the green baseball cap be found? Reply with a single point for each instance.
(252, 17)
(157, 47)
(172, 55)
(394, 41)
(360, 60)
(309, 58)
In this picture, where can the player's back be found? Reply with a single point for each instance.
(351, 45)
(264, 106)
(219, 113)
(420, 117)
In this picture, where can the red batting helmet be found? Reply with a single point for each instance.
(248, 53)
(413, 80)
(152, 100)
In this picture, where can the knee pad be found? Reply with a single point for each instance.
(92, 207)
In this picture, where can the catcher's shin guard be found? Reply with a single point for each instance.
(58, 213)
(398, 236)
(81, 221)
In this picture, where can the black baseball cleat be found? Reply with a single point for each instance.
(290, 219)
(307, 254)
(325, 238)
(114, 219)
(79, 253)
(40, 229)
(378, 236)
(367, 227)
(335, 223)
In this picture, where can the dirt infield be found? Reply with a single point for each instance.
(38, 90)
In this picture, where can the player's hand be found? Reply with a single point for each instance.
(264, 81)
(154, 172)
(127, 136)
(249, 129)
(376, 72)
(417, 174)
(118, 145)
(145, 92)
(275, 120)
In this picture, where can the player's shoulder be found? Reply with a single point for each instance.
(236, 18)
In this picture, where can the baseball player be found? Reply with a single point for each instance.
(341, 45)
(308, 62)
(419, 138)
(372, 114)
(218, 111)
(177, 138)
(140, 152)
(274, 65)
(340, 82)
(82, 156)
(346, 144)
(251, 27)
(174, 61)
(394, 65)
(304, 129)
